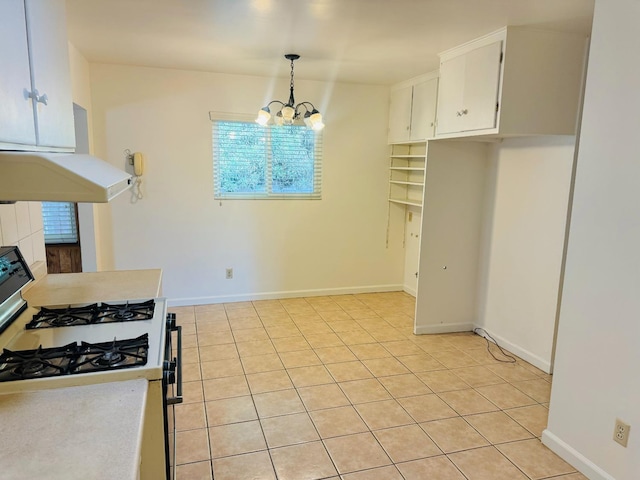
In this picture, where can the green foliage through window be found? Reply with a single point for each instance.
(252, 161)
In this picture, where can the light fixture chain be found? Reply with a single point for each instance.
(291, 75)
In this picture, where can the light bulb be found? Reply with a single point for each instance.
(316, 121)
(287, 114)
(263, 117)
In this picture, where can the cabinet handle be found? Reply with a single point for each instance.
(39, 98)
(465, 111)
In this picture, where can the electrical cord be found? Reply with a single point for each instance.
(488, 337)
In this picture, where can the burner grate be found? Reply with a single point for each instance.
(92, 314)
(73, 359)
(38, 363)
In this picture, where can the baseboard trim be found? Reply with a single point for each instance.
(573, 457)
(443, 328)
(247, 297)
(410, 291)
(526, 355)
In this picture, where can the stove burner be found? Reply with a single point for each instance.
(29, 367)
(108, 358)
(110, 355)
(92, 314)
(124, 314)
(127, 311)
(42, 362)
(73, 359)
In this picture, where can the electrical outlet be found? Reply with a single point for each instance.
(621, 432)
(229, 273)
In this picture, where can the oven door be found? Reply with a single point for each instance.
(172, 391)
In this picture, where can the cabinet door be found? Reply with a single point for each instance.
(468, 90)
(481, 84)
(451, 95)
(423, 109)
(400, 115)
(16, 110)
(49, 50)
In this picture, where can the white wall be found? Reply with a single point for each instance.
(524, 230)
(94, 218)
(274, 246)
(597, 357)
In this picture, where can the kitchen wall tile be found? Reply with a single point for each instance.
(39, 251)
(26, 248)
(35, 216)
(23, 219)
(9, 224)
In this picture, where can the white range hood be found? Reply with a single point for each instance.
(59, 177)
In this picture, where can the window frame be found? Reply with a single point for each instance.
(216, 117)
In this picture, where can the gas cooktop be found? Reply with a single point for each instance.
(73, 358)
(92, 314)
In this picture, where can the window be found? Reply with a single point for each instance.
(60, 225)
(252, 161)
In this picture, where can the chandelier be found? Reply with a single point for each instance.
(289, 112)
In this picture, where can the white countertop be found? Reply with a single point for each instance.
(73, 288)
(88, 432)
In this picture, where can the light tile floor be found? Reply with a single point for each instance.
(339, 388)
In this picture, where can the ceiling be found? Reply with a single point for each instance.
(362, 41)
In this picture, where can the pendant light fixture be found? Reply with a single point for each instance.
(289, 112)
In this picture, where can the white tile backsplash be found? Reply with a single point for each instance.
(21, 225)
(35, 216)
(9, 224)
(26, 248)
(23, 219)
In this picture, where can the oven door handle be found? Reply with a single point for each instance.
(178, 363)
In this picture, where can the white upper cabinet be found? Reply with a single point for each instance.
(16, 113)
(37, 84)
(469, 90)
(412, 110)
(516, 81)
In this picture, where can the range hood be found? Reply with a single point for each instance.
(59, 177)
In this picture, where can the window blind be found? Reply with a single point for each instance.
(252, 161)
(60, 224)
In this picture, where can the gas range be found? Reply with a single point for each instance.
(74, 345)
(70, 345)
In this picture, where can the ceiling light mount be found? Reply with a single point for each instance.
(289, 112)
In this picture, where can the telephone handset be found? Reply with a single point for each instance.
(138, 164)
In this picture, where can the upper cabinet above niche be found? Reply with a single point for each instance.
(35, 84)
(515, 81)
(412, 109)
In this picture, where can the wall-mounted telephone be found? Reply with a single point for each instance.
(138, 164)
(137, 161)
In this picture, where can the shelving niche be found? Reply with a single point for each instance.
(407, 164)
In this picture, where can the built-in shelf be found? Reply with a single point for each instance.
(406, 201)
(407, 164)
(399, 182)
